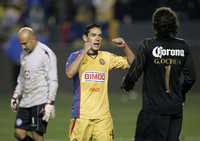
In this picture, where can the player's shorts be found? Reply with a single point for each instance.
(30, 119)
(156, 127)
(91, 129)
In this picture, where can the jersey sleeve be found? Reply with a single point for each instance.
(118, 62)
(18, 89)
(135, 70)
(71, 59)
(52, 77)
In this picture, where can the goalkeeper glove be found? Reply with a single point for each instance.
(49, 112)
(14, 104)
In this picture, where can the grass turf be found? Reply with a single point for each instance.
(124, 111)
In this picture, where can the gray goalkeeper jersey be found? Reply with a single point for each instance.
(37, 81)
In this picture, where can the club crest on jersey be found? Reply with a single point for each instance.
(27, 74)
(93, 77)
(102, 61)
(159, 52)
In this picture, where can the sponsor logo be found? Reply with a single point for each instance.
(93, 77)
(102, 61)
(94, 89)
(159, 52)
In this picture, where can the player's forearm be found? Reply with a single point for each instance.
(72, 69)
(189, 80)
(129, 54)
(18, 89)
(53, 86)
(53, 81)
(131, 77)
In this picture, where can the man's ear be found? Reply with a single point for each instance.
(84, 37)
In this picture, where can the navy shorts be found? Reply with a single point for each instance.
(30, 119)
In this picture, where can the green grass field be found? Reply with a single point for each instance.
(124, 110)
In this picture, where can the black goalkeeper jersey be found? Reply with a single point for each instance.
(168, 73)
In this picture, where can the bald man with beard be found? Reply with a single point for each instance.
(37, 83)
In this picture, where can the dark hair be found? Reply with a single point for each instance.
(88, 27)
(165, 22)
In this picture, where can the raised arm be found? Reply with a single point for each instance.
(73, 67)
(119, 42)
(135, 70)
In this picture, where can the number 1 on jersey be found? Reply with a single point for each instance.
(167, 78)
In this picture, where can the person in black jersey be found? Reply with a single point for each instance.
(168, 74)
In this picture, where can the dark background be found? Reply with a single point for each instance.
(132, 33)
(60, 24)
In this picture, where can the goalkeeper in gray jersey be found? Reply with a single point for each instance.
(36, 89)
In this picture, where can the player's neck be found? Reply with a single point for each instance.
(92, 53)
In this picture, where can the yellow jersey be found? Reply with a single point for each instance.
(90, 92)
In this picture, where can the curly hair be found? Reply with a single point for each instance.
(165, 22)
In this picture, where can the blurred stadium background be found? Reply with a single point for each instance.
(60, 23)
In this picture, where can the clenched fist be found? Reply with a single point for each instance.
(119, 42)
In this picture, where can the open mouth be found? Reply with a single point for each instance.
(96, 45)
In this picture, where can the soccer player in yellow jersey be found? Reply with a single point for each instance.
(89, 67)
